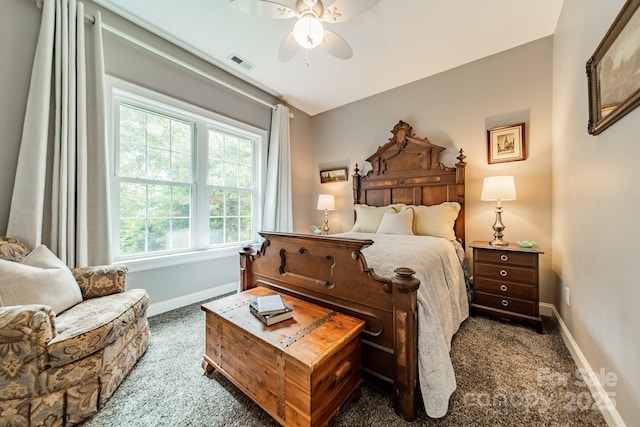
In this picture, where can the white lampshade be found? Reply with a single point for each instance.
(308, 31)
(326, 201)
(498, 188)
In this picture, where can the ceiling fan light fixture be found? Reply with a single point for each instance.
(308, 31)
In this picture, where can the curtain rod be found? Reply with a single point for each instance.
(122, 35)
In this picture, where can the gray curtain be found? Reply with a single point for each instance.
(61, 190)
(277, 211)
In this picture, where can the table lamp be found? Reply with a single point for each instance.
(498, 188)
(327, 203)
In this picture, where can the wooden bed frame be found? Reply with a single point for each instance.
(332, 271)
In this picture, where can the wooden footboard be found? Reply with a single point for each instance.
(332, 272)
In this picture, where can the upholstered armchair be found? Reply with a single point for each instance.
(60, 365)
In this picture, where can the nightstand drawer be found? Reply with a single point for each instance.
(505, 303)
(506, 272)
(506, 257)
(505, 288)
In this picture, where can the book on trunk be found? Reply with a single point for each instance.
(270, 319)
(269, 304)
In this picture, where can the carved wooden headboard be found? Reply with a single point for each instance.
(407, 170)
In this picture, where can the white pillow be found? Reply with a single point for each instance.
(397, 222)
(41, 278)
(368, 218)
(436, 220)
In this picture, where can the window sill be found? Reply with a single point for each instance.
(162, 261)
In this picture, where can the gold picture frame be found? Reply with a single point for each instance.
(614, 83)
(506, 144)
(333, 175)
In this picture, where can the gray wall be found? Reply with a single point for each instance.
(595, 211)
(454, 109)
(19, 23)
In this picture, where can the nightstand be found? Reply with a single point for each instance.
(505, 282)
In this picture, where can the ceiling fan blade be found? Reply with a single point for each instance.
(315, 6)
(342, 10)
(336, 45)
(288, 48)
(266, 8)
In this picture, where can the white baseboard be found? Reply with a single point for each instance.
(172, 304)
(606, 406)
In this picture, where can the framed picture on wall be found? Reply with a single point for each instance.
(612, 71)
(506, 144)
(333, 175)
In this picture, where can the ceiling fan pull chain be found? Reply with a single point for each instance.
(306, 59)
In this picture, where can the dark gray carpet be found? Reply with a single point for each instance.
(507, 374)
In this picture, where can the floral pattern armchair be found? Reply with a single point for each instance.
(59, 369)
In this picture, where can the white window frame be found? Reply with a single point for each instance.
(120, 91)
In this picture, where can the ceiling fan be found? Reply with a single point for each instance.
(308, 32)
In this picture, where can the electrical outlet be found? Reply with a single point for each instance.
(567, 295)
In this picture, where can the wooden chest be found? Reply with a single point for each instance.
(505, 282)
(301, 371)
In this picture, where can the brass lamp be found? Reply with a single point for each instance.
(498, 188)
(327, 203)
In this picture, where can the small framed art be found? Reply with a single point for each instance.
(612, 71)
(506, 144)
(333, 175)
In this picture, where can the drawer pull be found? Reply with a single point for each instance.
(503, 273)
(504, 258)
(341, 372)
(505, 302)
(503, 288)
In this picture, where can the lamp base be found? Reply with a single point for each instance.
(498, 228)
(497, 242)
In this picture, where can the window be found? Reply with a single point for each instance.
(184, 179)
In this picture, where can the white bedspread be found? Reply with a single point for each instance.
(442, 304)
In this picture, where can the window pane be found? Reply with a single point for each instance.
(245, 176)
(215, 172)
(158, 231)
(133, 200)
(231, 204)
(158, 131)
(231, 230)
(181, 202)
(158, 164)
(216, 203)
(132, 121)
(181, 167)
(180, 234)
(245, 229)
(245, 152)
(132, 236)
(180, 136)
(132, 160)
(159, 201)
(216, 230)
(215, 145)
(230, 174)
(230, 148)
(245, 204)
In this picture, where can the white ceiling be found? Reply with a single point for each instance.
(394, 43)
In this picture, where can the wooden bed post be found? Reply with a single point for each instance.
(356, 185)
(405, 343)
(246, 253)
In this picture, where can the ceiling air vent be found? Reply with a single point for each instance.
(242, 62)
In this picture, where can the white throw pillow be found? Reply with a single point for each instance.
(436, 220)
(368, 217)
(40, 279)
(397, 222)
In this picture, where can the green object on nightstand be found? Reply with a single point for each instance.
(526, 244)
